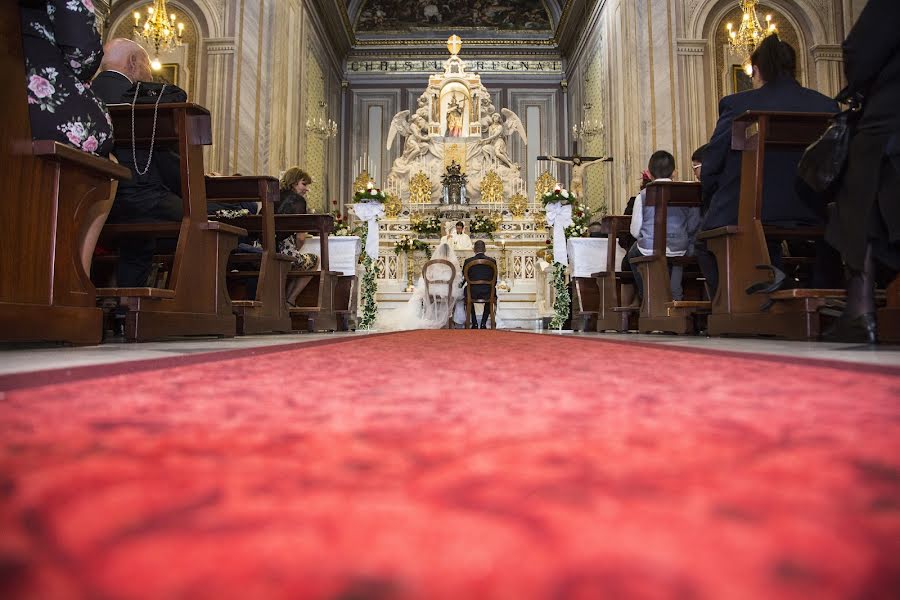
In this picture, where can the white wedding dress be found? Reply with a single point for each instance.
(421, 312)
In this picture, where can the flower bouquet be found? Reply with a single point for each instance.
(369, 195)
(409, 245)
(558, 195)
(428, 225)
(581, 218)
(482, 223)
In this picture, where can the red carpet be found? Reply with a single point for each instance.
(455, 464)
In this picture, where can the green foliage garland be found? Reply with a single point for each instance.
(562, 301)
(370, 308)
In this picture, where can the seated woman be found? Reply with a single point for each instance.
(422, 311)
(294, 184)
(62, 52)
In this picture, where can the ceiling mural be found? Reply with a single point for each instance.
(408, 15)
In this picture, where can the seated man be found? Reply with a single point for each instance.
(481, 272)
(458, 239)
(775, 89)
(152, 196)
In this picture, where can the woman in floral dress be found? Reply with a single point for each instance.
(62, 52)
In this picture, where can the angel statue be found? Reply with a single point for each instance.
(493, 147)
(417, 143)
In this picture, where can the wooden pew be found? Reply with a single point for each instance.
(52, 195)
(888, 317)
(658, 311)
(585, 303)
(196, 300)
(267, 312)
(741, 251)
(315, 308)
(611, 315)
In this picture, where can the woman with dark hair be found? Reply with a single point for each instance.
(865, 224)
(294, 184)
(62, 52)
(775, 89)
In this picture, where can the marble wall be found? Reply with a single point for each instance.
(649, 70)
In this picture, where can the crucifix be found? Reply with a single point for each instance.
(578, 164)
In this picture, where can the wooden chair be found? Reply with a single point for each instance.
(267, 312)
(611, 315)
(434, 287)
(741, 251)
(196, 301)
(492, 282)
(315, 308)
(658, 311)
(54, 196)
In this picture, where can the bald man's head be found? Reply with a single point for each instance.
(126, 57)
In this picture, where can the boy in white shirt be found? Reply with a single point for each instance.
(682, 224)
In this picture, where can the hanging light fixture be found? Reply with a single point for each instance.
(160, 28)
(322, 126)
(750, 34)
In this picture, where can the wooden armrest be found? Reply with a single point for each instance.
(52, 150)
(224, 228)
(699, 304)
(246, 303)
(284, 257)
(142, 292)
(141, 229)
(807, 293)
(805, 233)
(643, 259)
(718, 232)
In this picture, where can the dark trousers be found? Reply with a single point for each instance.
(136, 253)
(484, 315)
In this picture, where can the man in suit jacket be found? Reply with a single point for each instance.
(153, 196)
(775, 89)
(481, 272)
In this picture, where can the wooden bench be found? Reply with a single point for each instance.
(889, 316)
(54, 195)
(585, 303)
(658, 311)
(267, 311)
(611, 315)
(315, 308)
(741, 251)
(200, 305)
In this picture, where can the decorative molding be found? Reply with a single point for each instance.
(220, 45)
(687, 47)
(827, 52)
(478, 66)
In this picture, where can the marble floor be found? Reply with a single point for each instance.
(18, 358)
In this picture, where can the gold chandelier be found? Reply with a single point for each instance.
(159, 28)
(750, 34)
(321, 126)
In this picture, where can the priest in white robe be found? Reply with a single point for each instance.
(458, 239)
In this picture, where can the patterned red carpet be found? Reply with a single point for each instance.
(455, 464)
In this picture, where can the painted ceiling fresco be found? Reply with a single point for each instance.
(408, 15)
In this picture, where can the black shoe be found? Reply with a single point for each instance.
(859, 330)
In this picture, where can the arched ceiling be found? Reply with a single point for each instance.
(436, 17)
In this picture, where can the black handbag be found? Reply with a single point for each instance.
(823, 162)
(149, 92)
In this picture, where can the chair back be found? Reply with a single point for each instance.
(434, 286)
(492, 282)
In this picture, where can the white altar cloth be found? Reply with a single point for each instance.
(343, 252)
(588, 255)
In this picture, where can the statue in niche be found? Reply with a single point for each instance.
(455, 117)
(493, 147)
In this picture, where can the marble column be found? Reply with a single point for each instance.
(829, 66)
(697, 122)
(216, 95)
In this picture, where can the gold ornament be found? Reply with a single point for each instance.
(361, 181)
(420, 189)
(540, 221)
(491, 188)
(392, 206)
(454, 44)
(544, 184)
(518, 204)
(455, 153)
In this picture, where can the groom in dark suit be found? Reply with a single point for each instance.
(481, 272)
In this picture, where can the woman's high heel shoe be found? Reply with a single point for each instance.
(858, 330)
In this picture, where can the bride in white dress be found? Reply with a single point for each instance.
(421, 311)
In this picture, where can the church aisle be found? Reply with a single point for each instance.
(455, 464)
